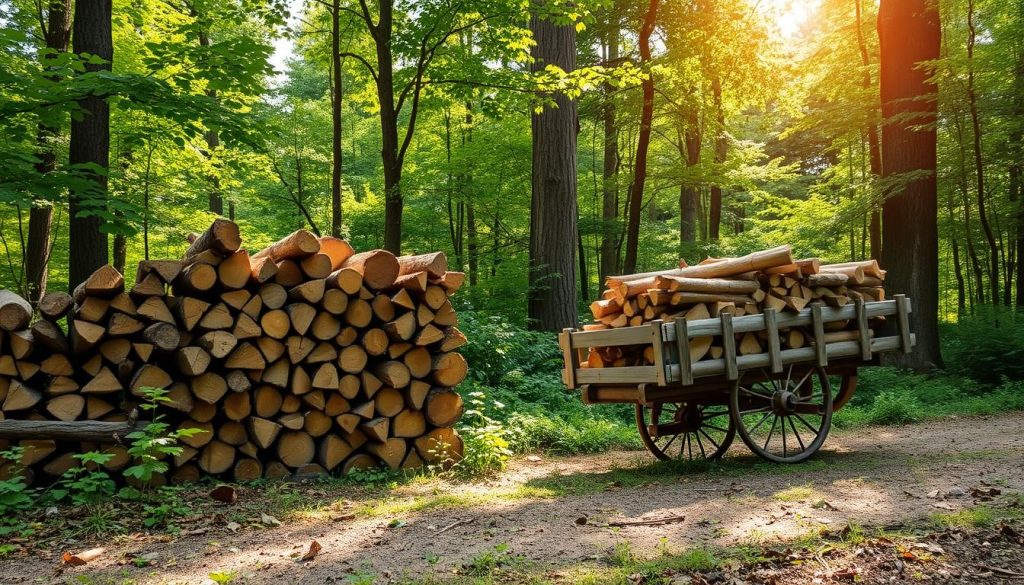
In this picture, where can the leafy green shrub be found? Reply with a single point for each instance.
(15, 494)
(86, 484)
(486, 449)
(894, 409)
(569, 436)
(987, 347)
(155, 443)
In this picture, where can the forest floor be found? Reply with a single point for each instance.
(939, 502)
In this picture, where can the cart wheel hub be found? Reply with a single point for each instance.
(784, 402)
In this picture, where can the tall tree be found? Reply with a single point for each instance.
(979, 161)
(337, 95)
(874, 149)
(721, 151)
(553, 204)
(610, 164)
(56, 32)
(910, 36)
(90, 143)
(636, 190)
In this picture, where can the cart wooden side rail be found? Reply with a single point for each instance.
(672, 359)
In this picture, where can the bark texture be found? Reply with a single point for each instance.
(909, 33)
(553, 205)
(90, 142)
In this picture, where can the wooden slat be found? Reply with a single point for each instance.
(754, 323)
(862, 329)
(639, 335)
(903, 322)
(774, 349)
(610, 394)
(820, 356)
(729, 347)
(659, 351)
(685, 376)
(624, 375)
(842, 349)
(569, 357)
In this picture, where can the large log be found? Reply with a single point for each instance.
(435, 264)
(221, 237)
(85, 430)
(379, 268)
(15, 312)
(298, 244)
(724, 268)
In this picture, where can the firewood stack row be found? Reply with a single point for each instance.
(739, 286)
(302, 358)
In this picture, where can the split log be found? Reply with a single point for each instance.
(55, 305)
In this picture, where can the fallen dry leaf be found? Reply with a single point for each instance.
(233, 526)
(225, 494)
(314, 549)
(77, 560)
(269, 520)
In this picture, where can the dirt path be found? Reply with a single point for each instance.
(554, 511)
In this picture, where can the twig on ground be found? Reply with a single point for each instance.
(1004, 572)
(651, 522)
(453, 525)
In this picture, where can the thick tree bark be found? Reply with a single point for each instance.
(90, 142)
(909, 34)
(979, 162)
(553, 205)
(337, 95)
(610, 166)
(37, 251)
(721, 150)
(636, 190)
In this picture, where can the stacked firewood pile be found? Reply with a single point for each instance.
(739, 286)
(302, 358)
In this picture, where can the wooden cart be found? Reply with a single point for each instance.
(780, 402)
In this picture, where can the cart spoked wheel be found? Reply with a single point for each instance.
(783, 417)
(681, 430)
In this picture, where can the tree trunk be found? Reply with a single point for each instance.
(721, 150)
(390, 156)
(909, 33)
(979, 163)
(37, 253)
(689, 193)
(961, 287)
(610, 168)
(212, 138)
(1016, 173)
(553, 213)
(90, 143)
(874, 149)
(636, 190)
(337, 96)
(472, 247)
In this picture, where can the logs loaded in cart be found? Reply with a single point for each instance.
(763, 346)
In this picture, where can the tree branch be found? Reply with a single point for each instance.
(361, 59)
